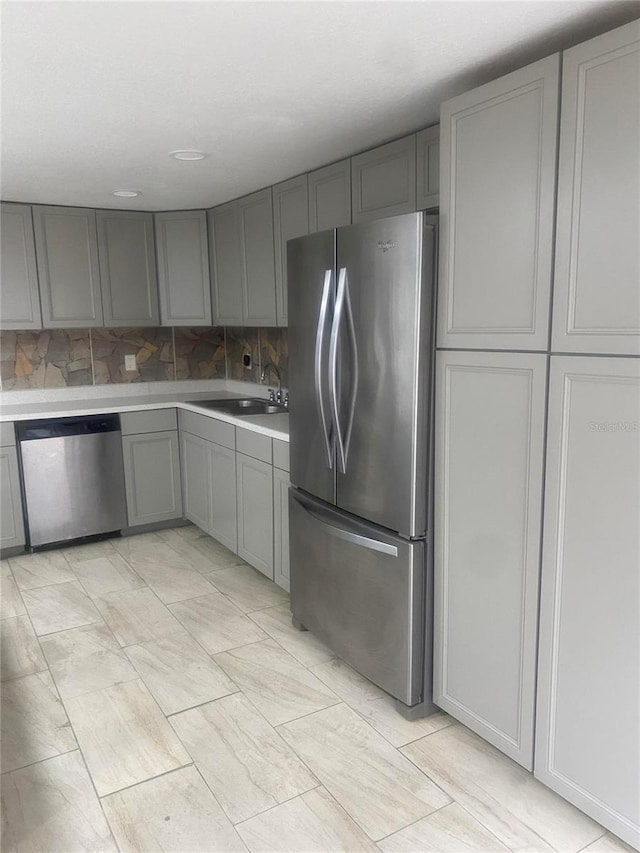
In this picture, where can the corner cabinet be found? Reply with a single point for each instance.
(19, 294)
(183, 268)
(497, 196)
(597, 276)
(589, 659)
(490, 419)
(151, 466)
(67, 254)
(290, 219)
(128, 274)
(383, 180)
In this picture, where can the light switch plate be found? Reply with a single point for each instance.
(130, 362)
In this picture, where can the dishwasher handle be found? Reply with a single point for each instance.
(61, 427)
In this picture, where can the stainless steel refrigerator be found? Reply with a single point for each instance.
(361, 306)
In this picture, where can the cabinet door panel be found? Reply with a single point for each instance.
(330, 197)
(597, 278)
(128, 268)
(383, 180)
(589, 658)
(258, 264)
(255, 513)
(196, 480)
(183, 268)
(497, 185)
(290, 219)
(11, 521)
(281, 528)
(152, 477)
(489, 452)
(226, 264)
(224, 508)
(67, 253)
(428, 167)
(19, 294)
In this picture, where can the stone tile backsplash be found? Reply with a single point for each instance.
(59, 358)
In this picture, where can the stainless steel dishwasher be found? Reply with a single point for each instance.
(73, 477)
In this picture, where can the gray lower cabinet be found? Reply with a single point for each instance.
(428, 167)
(281, 528)
(196, 480)
(497, 196)
(19, 294)
(255, 512)
(383, 180)
(11, 520)
(490, 419)
(68, 270)
(183, 268)
(290, 219)
(127, 268)
(589, 655)
(330, 196)
(151, 466)
(597, 270)
(224, 508)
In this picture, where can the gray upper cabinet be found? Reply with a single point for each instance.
(67, 253)
(19, 296)
(225, 247)
(183, 268)
(490, 417)
(127, 268)
(497, 188)
(258, 260)
(597, 275)
(290, 219)
(428, 167)
(383, 180)
(589, 657)
(330, 196)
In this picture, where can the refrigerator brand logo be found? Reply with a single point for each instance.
(385, 245)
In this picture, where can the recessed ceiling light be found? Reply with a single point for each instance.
(126, 193)
(187, 154)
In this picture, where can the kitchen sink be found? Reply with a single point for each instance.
(243, 407)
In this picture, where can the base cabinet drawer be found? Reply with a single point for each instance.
(255, 513)
(152, 477)
(11, 521)
(281, 528)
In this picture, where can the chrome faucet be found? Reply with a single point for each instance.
(274, 398)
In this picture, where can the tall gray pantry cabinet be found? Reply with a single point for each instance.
(586, 641)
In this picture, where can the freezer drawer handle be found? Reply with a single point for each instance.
(343, 297)
(322, 322)
(355, 538)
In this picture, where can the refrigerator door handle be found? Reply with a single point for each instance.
(354, 369)
(333, 369)
(354, 538)
(322, 322)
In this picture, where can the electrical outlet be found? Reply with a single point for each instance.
(246, 360)
(130, 363)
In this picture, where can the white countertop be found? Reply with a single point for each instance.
(275, 426)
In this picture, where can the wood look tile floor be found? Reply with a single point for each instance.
(155, 697)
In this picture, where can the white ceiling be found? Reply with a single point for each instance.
(95, 94)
